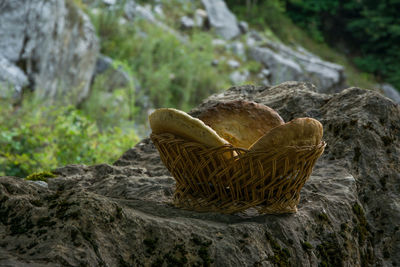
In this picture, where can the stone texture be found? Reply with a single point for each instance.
(121, 214)
(133, 11)
(391, 92)
(187, 23)
(287, 64)
(244, 27)
(221, 19)
(112, 77)
(12, 79)
(53, 42)
(239, 77)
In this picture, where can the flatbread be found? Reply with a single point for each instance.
(169, 120)
(298, 132)
(241, 122)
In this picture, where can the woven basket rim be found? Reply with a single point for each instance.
(230, 146)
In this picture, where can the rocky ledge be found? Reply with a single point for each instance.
(121, 214)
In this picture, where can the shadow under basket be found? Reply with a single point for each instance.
(227, 179)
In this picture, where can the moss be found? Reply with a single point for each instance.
(330, 254)
(74, 234)
(323, 217)
(122, 262)
(40, 176)
(205, 256)
(40, 232)
(361, 227)
(203, 251)
(36, 202)
(386, 140)
(150, 244)
(357, 154)
(119, 212)
(158, 262)
(20, 226)
(63, 207)
(174, 258)
(175, 261)
(386, 253)
(281, 255)
(45, 222)
(307, 246)
(33, 244)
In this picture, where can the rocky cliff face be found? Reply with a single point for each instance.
(121, 214)
(48, 46)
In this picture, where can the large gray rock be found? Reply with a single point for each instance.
(53, 42)
(134, 11)
(122, 215)
(221, 19)
(391, 92)
(12, 79)
(287, 64)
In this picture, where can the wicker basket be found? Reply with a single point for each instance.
(227, 179)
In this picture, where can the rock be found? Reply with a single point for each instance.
(233, 64)
(286, 64)
(218, 42)
(391, 92)
(12, 80)
(53, 43)
(239, 77)
(112, 77)
(238, 49)
(110, 2)
(264, 73)
(187, 23)
(265, 82)
(221, 19)
(253, 38)
(244, 27)
(134, 11)
(122, 214)
(159, 10)
(41, 183)
(200, 16)
(215, 62)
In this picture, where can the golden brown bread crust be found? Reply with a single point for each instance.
(241, 122)
(298, 132)
(169, 120)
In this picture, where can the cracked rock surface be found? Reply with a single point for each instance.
(121, 214)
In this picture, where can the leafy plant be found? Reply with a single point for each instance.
(40, 137)
(171, 72)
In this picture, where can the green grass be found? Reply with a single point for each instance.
(170, 72)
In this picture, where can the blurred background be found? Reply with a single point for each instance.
(78, 78)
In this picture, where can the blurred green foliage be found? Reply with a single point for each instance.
(171, 71)
(35, 137)
(370, 30)
(293, 27)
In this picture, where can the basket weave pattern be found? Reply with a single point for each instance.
(228, 179)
